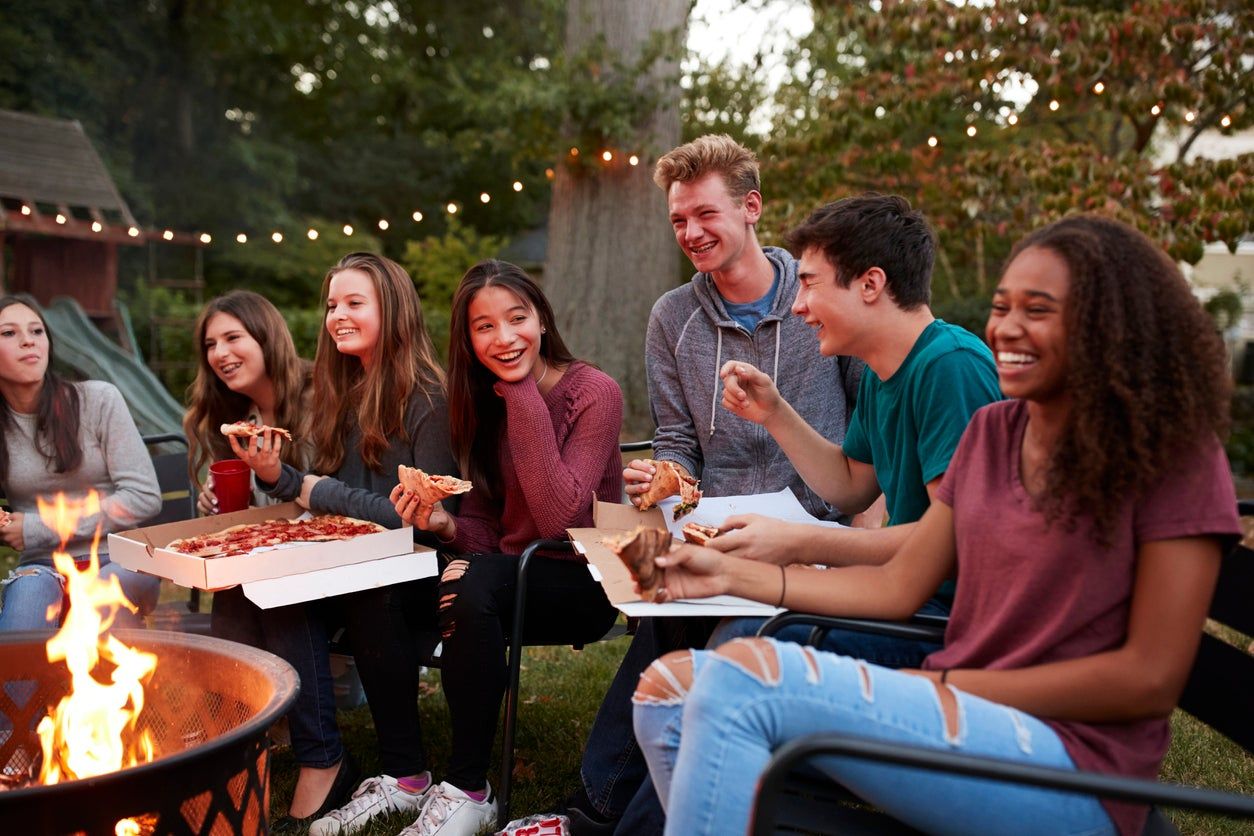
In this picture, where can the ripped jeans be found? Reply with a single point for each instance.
(732, 720)
(31, 591)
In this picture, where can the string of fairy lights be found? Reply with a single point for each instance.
(606, 157)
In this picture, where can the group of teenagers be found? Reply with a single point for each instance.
(1059, 490)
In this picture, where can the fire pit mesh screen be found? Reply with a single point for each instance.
(208, 707)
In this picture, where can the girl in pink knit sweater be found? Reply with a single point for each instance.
(536, 431)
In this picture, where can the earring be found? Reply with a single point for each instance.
(544, 330)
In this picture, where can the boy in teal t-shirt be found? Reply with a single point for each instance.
(907, 427)
(865, 272)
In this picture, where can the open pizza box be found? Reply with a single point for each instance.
(612, 519)
(276, 576)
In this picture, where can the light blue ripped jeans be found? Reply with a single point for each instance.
(33, 591)
(732, 721)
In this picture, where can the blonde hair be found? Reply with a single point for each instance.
(708, 154)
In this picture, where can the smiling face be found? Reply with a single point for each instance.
(23, 346)
(710, 226)
(234, 354)
(1026, 327)
(505, 334)
(353, 314)
(833, 311)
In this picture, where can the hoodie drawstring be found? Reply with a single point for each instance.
(718, 362)
(779, 326)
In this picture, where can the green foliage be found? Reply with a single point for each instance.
(1226, 308)
(437, 264)
(1022, 132)
(1240, 445)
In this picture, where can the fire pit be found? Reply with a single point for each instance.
(206, 708)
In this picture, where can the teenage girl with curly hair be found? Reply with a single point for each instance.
(1084, 519)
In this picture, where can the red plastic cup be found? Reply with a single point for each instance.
(232, 484)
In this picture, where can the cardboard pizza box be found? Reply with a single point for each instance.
(143, 550)
(611, 519)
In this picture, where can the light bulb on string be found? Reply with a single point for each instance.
(607, 156)
(1099, 88)
(1190, 116)
(276, 237)
(1053, 104)
(383, 224)
(96, 226)
(971, 130)
(1226, 121)
(484, 197)
(417, 216)
(1012, 119)
(241, 238)
(633, 160)
(348, 229)
(1155, 110)
(451, 208)
(25, 209)
(932, 142)
(312, 234)
(60, 218)
(518, 186)
(133, 232)
(206, 238)
(168, 235)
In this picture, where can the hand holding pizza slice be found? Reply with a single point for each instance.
(637, 550)
(243, 429)
(669, 480)
(428, 488)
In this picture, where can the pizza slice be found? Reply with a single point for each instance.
(243, 429)
(430, 489)
(637, 549)
(699, 534)
(669, 480)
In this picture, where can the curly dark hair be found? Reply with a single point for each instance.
(1146, 369)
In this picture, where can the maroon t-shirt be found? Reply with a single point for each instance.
(1030, 593)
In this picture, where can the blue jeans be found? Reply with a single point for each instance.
(713, 744)
(34, 593)
(614, 774)
(884, 651)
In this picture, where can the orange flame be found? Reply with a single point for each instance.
(92, 730)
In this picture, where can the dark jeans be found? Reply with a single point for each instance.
(614, 774)
(379, 624)
(564, 606)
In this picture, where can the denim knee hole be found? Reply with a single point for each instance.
(1023, 735)
(864, 679)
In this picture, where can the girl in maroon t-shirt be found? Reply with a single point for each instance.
(536, 432)
(1084, 521)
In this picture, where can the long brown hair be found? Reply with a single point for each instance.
(57, 417)
(211, 403)
(1147, 372)
(374, 399)
(476, 414)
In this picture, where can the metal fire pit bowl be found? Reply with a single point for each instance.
(208, 706)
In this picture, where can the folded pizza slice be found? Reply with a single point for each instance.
(637, 549)
(428, 488)
(670, 480)
(699, 534)
(243, 429)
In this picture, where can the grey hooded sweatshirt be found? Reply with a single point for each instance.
(690, 337)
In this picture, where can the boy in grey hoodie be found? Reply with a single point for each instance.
(736, 308)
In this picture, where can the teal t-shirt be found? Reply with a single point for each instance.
(907, 427)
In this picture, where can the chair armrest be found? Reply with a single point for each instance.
(635, 446)
(928, 628)
(1114, 787)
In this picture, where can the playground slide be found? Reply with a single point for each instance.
(81, 346)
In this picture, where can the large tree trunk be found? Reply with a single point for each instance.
(610, 251)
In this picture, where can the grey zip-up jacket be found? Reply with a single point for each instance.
(690, 337)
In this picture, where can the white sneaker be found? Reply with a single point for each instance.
(540, 824)
(373, 797)
(447, 811)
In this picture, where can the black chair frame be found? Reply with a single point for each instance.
(1216, 693)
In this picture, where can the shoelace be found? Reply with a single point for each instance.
(363, 799)
(435, 811)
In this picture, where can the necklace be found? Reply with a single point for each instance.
(546, 373)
